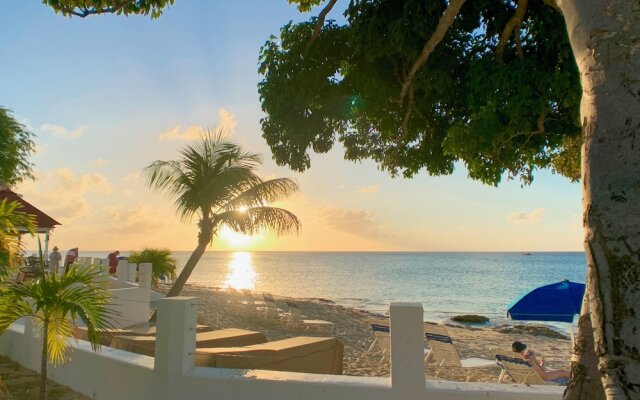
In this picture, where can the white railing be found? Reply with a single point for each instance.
(172, 374)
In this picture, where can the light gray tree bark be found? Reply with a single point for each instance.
(605, 37)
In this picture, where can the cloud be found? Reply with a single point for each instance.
(99, 162)
(141, 219)
(60, 131)
(176, 133)
(132, 176)
(526, 218)
(367, 189)
(359, 222)
(62, 194)
(226, 122)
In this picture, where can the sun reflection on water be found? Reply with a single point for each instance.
(241, 275)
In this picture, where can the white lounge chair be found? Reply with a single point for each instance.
(521, 371)
(445, 355)
(382, 339)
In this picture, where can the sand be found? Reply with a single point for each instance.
(222, 309)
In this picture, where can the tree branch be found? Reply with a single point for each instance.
(407, 114)
(319, 24)
(85, 12)
(443, 26)
(514, 23)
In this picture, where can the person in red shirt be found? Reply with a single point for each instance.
(113, 262)
(70, 258)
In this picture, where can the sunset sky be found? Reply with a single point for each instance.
(108, 95)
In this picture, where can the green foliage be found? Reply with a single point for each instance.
(16, 145)
(497, 115)
(161, 259)
(84, 8)
(305, 5)
(13, 222)
(215, 180)
(55, 304)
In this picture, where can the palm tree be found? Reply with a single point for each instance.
(56, 303)
(13, 222)
(215, 180)
(161, 262)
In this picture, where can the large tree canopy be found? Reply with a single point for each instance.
(495, 103)
(84, 8)
(16, 145)
(503, 86)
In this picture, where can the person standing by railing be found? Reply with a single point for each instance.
(54, 260)
(70, 258)
(113, 262)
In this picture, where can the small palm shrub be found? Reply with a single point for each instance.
(56, 303)
(161, 260)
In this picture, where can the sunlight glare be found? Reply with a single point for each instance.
(242, 275)
(236, 239)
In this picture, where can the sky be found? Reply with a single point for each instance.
(107, 95)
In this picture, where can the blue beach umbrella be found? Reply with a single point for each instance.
(558, 302)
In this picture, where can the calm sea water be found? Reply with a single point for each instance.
(445, 283)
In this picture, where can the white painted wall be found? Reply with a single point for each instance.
(116, 374)
(131, 300)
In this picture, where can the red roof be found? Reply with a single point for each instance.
(42, 219)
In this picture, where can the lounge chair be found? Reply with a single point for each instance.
(294, 319)
(445, 355)
(146, 345)
(382, 339)
(316, 355)
(521, 371)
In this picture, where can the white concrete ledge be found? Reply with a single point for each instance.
(116, 374)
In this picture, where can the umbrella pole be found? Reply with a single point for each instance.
(573, 341)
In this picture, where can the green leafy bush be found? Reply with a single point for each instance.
(161, 260)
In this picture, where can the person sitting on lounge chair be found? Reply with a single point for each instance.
(537, 363)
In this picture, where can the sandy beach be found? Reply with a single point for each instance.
(227, 309)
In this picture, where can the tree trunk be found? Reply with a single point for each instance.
(44, 361)
(585, 378)
(178, 285)
(605, 38)
(204, 238)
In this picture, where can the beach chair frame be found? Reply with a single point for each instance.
(518, 369)
(445, 355)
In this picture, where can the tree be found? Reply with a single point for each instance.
(163, 264)
(85, 8)
(504, 87)
(215, 180)
(13, 223)
(16, 145)
(56, 303)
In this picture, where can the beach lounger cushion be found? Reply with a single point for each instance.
(299, 354)
(145, 345)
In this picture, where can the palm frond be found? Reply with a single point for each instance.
(264, 192)
(258, 219)
(58, 332)
(12, 223)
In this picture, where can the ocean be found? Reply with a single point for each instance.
(446, 284)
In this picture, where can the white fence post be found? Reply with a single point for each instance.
(176, 335)
(122, 272)
(407, 350)
(144, 275)
(133, 272)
